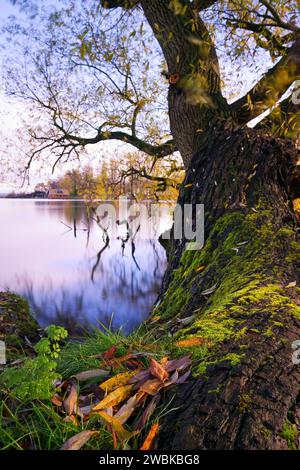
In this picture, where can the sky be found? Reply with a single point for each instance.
(12, 114)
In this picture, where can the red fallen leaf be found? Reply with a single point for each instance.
(149, 410)
(110, 353)
(179, 364)
(70, 402)
(157, 370)
(149, 441)
(77, 441)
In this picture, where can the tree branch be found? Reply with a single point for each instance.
(283, 121)
(127, 4)
(268, 91)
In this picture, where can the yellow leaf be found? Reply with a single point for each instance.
(200, 269)
(114, 398)
(122, 433)
(118, 380)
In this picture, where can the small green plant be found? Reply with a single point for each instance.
(35, 378)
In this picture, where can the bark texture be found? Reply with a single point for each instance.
(246, 391)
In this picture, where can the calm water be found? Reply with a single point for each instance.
(43, 259)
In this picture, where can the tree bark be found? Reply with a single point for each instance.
(245, 393)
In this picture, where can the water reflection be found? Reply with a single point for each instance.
(48, 252)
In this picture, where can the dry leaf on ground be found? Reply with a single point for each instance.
(149, 441)
(186, 343)
(114, 398)
(91, 374)
(77, 441)
(118, 380)
(157, 370)
(70, 402)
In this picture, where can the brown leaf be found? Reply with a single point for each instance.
(70, 402)
(114, 398)
(56, 400)
(117, 381)
(149, 410)
(77, 441)
(157, 370)
(70, 419)
(127, 409)
(143, 375)
(152, 387)
(149, 441)
(200, 269)
(183, 378)
(186, 343)
(179, 364)
(110, 353)
(91, 374)
(173, 379)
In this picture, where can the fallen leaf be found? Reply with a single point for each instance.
(56, 400)
(122, 433)
(127, 409)
(179, 364)
(114, 398)
(77, 441)
(149, 410)
(149, 441)
(200, 269)
(70, 419)
(110, 353)
(84, 410)
(157, 370)
(164, 361)
(173, 379)
(91, 374)
(185, 343)
(186, 320)
(182, 378)
(152, 387)
(70, 402)
(117, 381)
(143, 375)
(291, 284)
(210, 290)
(154, 319)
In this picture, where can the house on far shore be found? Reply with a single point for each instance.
(58, 193)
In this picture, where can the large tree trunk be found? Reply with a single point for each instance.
(245, 392)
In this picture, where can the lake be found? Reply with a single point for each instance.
(61, 260)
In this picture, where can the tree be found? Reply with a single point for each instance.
(237, 299)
